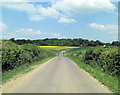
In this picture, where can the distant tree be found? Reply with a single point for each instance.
(21, 42)
(28, 41)
(46, 39)
(116, 43)
(60, 42)
(97, 43)
(107, 44)
(12, 39)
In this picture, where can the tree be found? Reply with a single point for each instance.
(12, 39)
(116, 43)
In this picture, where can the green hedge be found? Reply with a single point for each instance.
(15, 55)
(106, 59)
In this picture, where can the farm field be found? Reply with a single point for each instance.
(57, 47)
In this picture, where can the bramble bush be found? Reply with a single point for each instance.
(106, 59)
(14, 55)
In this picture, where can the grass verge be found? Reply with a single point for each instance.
(6, 76)
(105, 79)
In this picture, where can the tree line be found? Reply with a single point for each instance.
(63, 42)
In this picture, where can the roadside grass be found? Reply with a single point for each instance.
(105, 79)
(57, 47)
(42, 61)
(6, 76)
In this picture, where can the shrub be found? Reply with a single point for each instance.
(14, 55)
(107, 59)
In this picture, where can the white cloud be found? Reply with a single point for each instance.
(97, 26)
(13, 0)
(56, 35)
(20, 6)
(35, 13)
(49, 11)
(2, 27)
(27, 1)
(29, 32)
(111, 28)
(84, 6)
(60, 8)
(65, 20)
(8, 35)
(36, 17)
(41, 13)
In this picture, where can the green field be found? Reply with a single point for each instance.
(57, 47)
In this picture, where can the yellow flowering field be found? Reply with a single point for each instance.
(57, 47)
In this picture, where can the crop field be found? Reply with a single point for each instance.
(57, 47)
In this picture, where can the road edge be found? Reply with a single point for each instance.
(21, 77)
(105, 87)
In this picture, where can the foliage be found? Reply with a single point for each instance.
(107, 80)
(59, 42)
(14, 55)
(106, 59)
(101, 62)
(21, 70)
(63, 42)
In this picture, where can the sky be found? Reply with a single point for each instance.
(92, 20)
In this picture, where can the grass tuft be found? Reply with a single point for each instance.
(105, 79)
(6, 76)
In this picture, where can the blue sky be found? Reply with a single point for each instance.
(60, 19)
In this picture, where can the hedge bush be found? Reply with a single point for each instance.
(14, 55)
(106, 59)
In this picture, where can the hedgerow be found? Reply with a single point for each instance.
(14, 55)
(106, 59)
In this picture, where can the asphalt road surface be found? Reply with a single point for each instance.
(59, 75)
